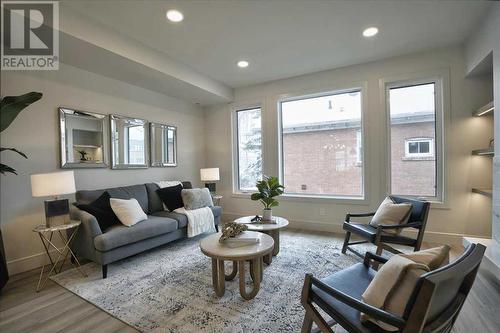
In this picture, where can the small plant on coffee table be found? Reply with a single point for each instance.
(268, 189)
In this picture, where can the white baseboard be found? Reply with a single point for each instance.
(30, 262)
(430, 236)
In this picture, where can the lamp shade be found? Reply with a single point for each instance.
(209, 174)
(53, 184)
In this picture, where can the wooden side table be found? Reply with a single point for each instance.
(42, 230)
(216, 198)
(219, 253)
(271, 229)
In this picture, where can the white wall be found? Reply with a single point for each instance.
(464, 212)
(35, 132)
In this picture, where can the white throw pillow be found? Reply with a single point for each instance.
(129, 212)
(393, 285)
(391, 213)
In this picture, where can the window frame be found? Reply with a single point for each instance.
(440, 79)
(347, 199)
(418, 156)
(235, 143)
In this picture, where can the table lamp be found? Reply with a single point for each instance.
(210, 175)
(52, 185)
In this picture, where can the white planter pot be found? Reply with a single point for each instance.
(267, 214)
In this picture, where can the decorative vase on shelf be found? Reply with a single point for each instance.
(267, 214)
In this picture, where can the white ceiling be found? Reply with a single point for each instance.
(285, 38)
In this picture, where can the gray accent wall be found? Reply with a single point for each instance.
(35, 132)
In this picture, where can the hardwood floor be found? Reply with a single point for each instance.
(55, 309)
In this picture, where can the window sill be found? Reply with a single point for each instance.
(313, 198)
(419, 158)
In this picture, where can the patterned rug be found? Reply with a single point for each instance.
(169, 289)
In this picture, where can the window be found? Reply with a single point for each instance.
(249, 148)
(418, 148)
(414, 110)
(321, 150)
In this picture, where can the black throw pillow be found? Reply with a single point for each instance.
(171, 197)
(101, 209)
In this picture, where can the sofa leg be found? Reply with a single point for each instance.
(216, 228)
(346, 242)
(104, 271)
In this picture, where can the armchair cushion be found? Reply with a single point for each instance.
(352, 281)
(369, 233)
(391, 213)
(394, 283)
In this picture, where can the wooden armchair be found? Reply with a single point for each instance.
(382, 239)
(433, 306)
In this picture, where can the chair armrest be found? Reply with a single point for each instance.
(349, 215)
(372, 256)
(399, 226)
(372, 311)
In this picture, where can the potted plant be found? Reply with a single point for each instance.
(268, 188)
(10, 107)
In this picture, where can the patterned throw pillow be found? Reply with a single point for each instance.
(196, 198)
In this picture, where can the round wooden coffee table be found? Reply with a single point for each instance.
(271, 229)
(219, 253)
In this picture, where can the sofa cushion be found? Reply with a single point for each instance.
(102, 211)
(129, 212)
(120, 235)
(154, 202)
(182, 219)
(171, 197)
(125, 192)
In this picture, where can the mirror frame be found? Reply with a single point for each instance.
(63, 111)
(163, 128)
(114, 165)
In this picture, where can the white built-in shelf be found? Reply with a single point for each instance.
(490, 151)
(86, 146)
(482, 111)
(485, 192)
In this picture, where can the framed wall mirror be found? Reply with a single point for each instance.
(163, 145)
(82, 136)
(129, 144)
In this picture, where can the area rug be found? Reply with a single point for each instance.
(169, 289)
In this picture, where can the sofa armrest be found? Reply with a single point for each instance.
(88, 221)
(83, 243)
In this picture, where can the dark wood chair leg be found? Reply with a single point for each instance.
(307, 324)
(104, 271)
(346, 242)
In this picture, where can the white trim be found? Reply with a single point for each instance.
(362, 87)
(28, 263)
(430, 141)
(441, 78)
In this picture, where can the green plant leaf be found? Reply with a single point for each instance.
(11, 106)
(5, 168)
(14, 150)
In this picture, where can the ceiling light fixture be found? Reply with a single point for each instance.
(370, 32)
(174, 15)
(242, 64)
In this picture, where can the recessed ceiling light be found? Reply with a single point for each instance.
(174, 15)
(242, 64)
(370, 32)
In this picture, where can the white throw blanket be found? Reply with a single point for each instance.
(199, 220)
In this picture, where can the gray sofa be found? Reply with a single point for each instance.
(119, 241)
